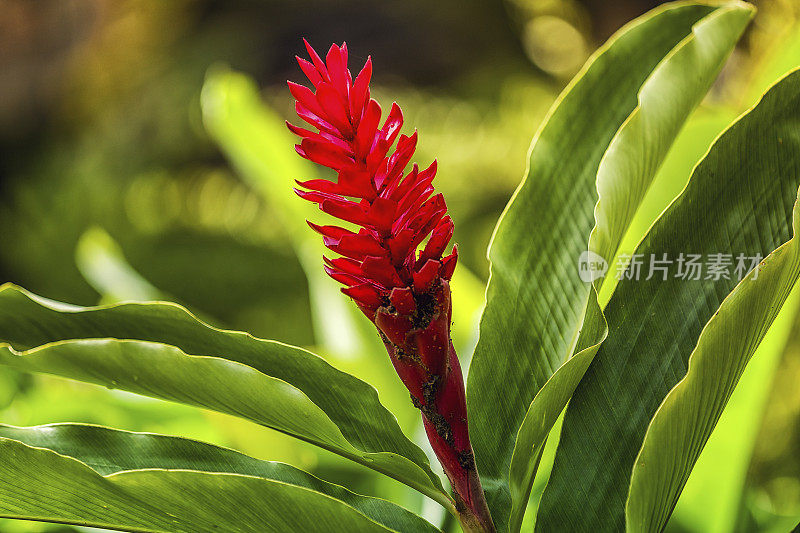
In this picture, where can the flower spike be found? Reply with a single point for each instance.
(394, 267)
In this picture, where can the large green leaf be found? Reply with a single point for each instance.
(689, 413)
(40, 484)
(624, 176)
(738, 201)
(666, 99)
(535, 304)
(108, 451)
(546, 408)
(277, 385)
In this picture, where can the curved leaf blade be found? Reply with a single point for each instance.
(534, 307)
(654, 324)
(546, 408)
(368, 433)
(689, 413)
(109, 451)
(39, 484)
(665, 100)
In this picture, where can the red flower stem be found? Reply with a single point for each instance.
(437, 390)
(394, 267)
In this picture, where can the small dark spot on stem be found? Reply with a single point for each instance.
(466, 460)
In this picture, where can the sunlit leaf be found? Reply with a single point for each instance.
(169, 354)
(713, 497)
(108, 451)
(687, 416)
(738, 201)
(535, 301)
(40, 484)
(102, 263)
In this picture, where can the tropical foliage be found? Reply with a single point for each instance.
(589, 401)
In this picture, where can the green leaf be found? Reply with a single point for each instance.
(40, 484)
(274, 384)
(684, 421)
(623, 178)
(715, 495)
(108, 451)
(535, 306)
(738, 201)
(666, 99)
(547, 406)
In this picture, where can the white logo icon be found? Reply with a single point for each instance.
(591, 266)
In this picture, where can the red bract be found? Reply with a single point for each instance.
(396, 210)
(393, 264)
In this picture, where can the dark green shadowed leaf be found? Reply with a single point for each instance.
(39, 484)
(108, 451)
(738, 201)
(352, 422)
(536, 302)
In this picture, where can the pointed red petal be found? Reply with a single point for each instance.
(364, 294)
(326, 154)
(356, 246)
(309, 70)
(324, 186)
(382, 213)
(367, 129)
(398, 160)
(449, 264)
(337, 69)
(315, 196)
(343, 278)
(346, 210)
(381, 271)
(318, 64)
(315, 120)
(358, 183)
(321, 137)
(394, 121)
(399, 245)
(304, 95)
(345, 264)
(333, 232)
(333, 104)
(439, 239)
(360, 91)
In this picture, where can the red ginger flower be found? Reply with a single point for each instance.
(404, 291)
(396, 212)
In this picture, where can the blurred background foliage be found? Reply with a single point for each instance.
(143, 156)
